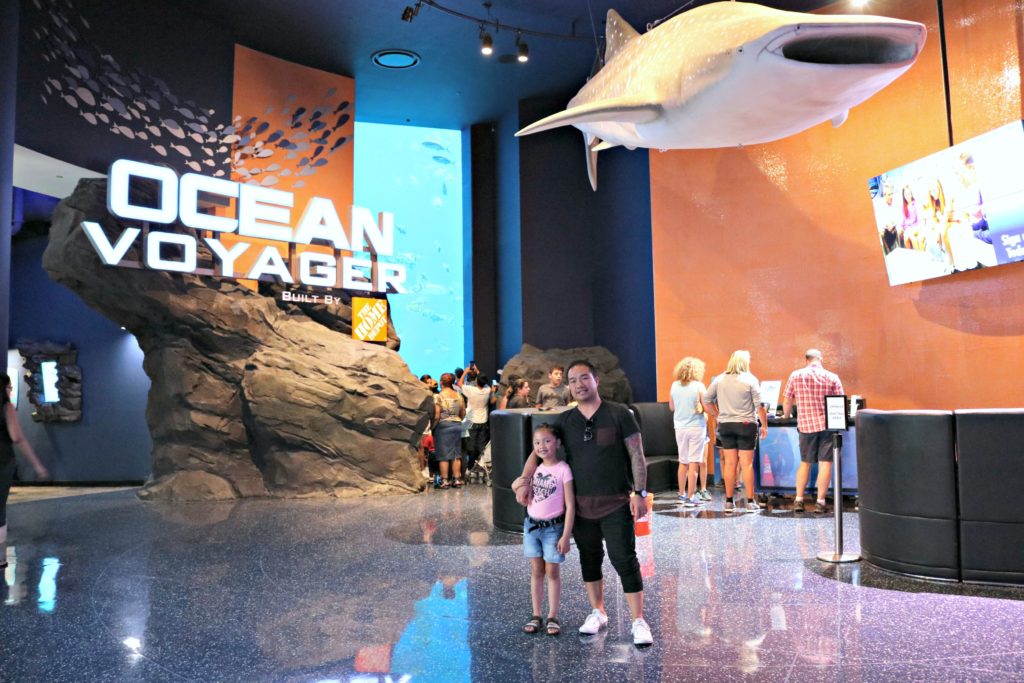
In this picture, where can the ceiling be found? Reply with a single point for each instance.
(454, 85)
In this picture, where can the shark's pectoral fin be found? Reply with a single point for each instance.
(617, 110)
(840, 119)
(593, 146)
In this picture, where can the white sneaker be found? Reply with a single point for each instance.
(752, 506)
(595, 622)
(641, 632)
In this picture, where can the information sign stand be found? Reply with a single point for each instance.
(836, 421)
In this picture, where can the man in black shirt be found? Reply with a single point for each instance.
(604, 449)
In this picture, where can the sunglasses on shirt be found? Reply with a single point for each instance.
(588, 430)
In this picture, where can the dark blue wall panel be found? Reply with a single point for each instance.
(623, 266)
(558, 245)
(112, 442)
(8, 72)
(93, 75)
(509, 274)
(587, 269)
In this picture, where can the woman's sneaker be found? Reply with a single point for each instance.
(730, 506)
(594, 622)
(752, 506)
(691, 502)
(704, 495)
(641, 632)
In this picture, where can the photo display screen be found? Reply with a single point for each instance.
(956, 210)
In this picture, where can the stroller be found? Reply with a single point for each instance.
(480, 473)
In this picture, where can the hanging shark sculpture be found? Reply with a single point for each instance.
(733, 73)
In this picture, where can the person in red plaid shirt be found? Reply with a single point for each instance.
(808, 387)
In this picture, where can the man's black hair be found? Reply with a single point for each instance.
(585, 363)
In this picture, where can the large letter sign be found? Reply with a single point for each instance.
(261, 213)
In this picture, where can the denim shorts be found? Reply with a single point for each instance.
(542, 542)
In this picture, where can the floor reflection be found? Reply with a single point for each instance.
(451, 530)
(48, 584)
(864, 574)
(111, 588)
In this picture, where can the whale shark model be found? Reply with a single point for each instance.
(733, 73)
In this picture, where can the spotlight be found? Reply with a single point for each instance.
(409, 13)
(486, 43)
(522, 50)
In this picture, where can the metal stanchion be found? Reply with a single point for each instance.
(837, 493)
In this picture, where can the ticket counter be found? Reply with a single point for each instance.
(778, 457)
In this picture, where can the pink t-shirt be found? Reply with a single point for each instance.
(549, 491)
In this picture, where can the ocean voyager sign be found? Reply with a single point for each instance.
(261, 214)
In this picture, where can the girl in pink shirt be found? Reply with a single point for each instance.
(548, 527)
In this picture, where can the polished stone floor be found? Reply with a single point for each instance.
(420, 588)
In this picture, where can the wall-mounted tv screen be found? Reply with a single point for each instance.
(955, 210)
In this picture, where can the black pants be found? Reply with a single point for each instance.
(616, 530)
(479, 435)
(7, 467)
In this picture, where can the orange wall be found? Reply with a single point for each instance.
(773, 248)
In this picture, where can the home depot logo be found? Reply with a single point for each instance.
(369, 319)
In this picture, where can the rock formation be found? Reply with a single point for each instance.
(534, 364)
(250, 396)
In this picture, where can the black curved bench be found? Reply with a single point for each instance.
(938, 493)
(908, 500)
(990, 472)
(660, 448)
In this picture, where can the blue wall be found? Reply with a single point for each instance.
(8, 81)
(509, 274)
(585, 258)
(623, 267)
(112, 442)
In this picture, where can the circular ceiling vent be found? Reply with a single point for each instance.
(396, 59)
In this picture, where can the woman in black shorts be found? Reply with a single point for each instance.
(734, 398)
(10, 434)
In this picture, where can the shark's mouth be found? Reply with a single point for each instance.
(849, 50)
(847, 46)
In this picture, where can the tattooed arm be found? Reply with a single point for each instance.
(635, 446)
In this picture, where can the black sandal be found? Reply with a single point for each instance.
(553, 627)
(534, 625)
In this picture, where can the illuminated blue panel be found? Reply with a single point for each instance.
(50, 392)
(416, 173)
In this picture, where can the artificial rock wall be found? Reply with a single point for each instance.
(250, 396)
